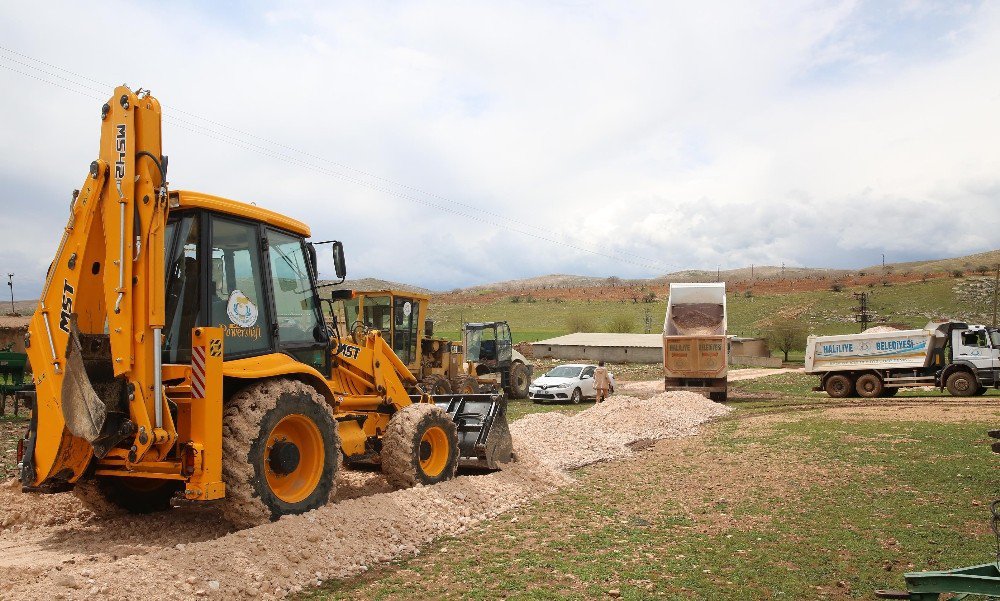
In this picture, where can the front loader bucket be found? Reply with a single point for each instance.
(82, 408)
(484, 438)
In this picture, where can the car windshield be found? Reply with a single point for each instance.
(995, 337)
(564, 371)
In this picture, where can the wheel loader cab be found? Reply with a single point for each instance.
(247, 274)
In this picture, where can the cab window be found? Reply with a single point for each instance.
(977, 339)
(294, 299)
(183, 291)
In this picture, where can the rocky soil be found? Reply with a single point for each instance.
(51, 547)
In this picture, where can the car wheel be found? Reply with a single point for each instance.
(576, 397)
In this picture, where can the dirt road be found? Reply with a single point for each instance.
(650, 387)
(50, 547)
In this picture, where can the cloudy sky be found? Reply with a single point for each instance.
(455, 143)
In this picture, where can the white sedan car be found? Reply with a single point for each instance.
(573, 382)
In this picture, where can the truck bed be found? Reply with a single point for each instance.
(902, 349)
(694, 356)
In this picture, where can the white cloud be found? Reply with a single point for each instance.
(692, 135)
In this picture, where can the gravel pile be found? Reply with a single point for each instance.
(191, 553)
(697, 319)
(605, 431)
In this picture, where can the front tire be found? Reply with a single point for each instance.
(869, 386)
(280, 452)
(839, 386)
(436, 384)
(420, 446)
(464, 385)
(576, 397)
(962, 383)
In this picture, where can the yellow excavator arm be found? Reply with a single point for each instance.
(104, 294)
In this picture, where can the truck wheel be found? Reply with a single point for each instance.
(839, 386)
(980, 391)
(888, 391)
(420, 446)
(519, 381)
(869, 386)
(436, 384)
(961, 383)
(464, 385)
(718, 397)
(280, 452)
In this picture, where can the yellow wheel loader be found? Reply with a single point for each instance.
(179, 347)
(484, 360)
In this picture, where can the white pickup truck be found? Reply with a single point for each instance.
(963, 358)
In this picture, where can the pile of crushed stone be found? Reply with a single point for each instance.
(191, 552)
(605, 431)
(697, 319)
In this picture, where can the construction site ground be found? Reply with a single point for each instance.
(785, 493)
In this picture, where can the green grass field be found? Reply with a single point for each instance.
(823, 311)
(801, 505)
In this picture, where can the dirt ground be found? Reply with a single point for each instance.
(650, 387)
(50, 546)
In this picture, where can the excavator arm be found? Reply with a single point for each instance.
(94, 340)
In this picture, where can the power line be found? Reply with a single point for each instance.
(617, 255)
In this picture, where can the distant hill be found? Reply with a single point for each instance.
(969, 263)
(364, 284)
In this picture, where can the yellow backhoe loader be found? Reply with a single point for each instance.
(179, 347)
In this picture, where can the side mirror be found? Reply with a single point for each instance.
(339, 264)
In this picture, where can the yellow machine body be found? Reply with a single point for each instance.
(108, 404)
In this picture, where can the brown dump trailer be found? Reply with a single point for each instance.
(695, 347)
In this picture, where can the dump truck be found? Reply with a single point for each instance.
(179, 347)
(695, 347)
(952, 355)
(441, 365)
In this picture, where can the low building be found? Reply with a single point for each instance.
(614, 348)
(641, 348)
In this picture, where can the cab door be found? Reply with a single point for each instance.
(297, 323)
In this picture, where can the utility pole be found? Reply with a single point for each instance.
(883, 262)
(862, 314)
(649, 321)
(10, 283)
(718, 273)
(996, 290)
(782, 270)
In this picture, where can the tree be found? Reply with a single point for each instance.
(786, 335)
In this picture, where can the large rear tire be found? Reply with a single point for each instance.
(280, 452)
(519, 381)
(420, 446)
(839, 386)
(962, 383)
(869, 386)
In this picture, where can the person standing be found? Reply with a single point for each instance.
(601, 382)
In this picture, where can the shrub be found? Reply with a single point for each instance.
(837, 287)
(579, 323)
(957, 273)
(621, 324)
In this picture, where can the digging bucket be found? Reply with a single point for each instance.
(483, 433)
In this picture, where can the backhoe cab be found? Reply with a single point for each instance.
(179, 346)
